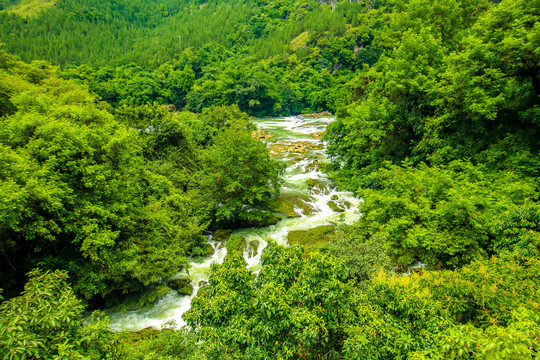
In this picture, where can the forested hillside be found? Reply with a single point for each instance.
(268, 57)
(125, 134)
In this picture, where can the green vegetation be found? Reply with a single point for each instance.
(118, 200)
(114, 163)
(193, 55)
(30, 8)
(46, 321)
(311, 239)
(301, 307)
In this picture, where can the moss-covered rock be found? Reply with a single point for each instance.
(182, 286)
(316, 187)
(311, 239)
(287, 203)
(335, 207)
(254, 246)
(269, 219)
(132, 338)
(300, 147)
(265, 219)
(235, 243)
(317, 115)
(208, 250)
(221, 234)
(315, 165)
(262, 134)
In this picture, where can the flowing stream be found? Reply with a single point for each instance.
(295, 140)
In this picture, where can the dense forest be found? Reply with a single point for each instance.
(125, 135)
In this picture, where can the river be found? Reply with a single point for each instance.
(295, 140)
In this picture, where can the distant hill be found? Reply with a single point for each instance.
(150, 32)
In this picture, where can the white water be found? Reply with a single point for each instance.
(169, 309)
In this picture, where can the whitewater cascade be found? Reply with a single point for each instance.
(289, 135)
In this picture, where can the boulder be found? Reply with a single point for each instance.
(286, 204)
(335, 206)
(311, 238)
(316, 187)
(318, 115)
(208, 250)
(266, 219)
(315, 165)
(182, 286)
(300, 147)
(235, 243)
(262, 134)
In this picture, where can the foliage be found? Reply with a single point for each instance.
(117, 200)
(164, 344)
(439, 215)
(293, 308)
(246, 54)
(518, 231)
(103, 175)
(303, 307)
(363, 260)
(440, 93)
(30, 8)
(46, 321)
(238, 177)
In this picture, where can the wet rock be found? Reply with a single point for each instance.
(311, 238)
(335, 206)
(334, 197)
(300, 147)
(208, 250)
(221, 234)
(315, 165)
(235, 243)
(265, 220)
(316, 187)
(309, 124)
(287, 203)
(182, 286)
(318, 115)
(138, 300)
(262, 134)
(254, 247)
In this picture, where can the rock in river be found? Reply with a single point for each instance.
(287, 203)
(181, 285)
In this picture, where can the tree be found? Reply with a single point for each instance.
(439, 215)
(77, 194)
(294, 308)
(47, 321)
(238, 177)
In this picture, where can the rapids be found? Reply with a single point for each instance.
(286, 131)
